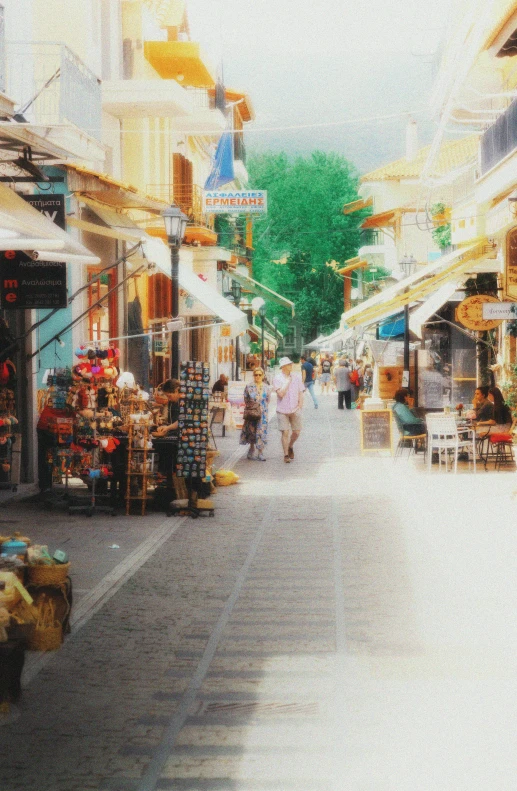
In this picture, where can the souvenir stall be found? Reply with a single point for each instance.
(99, 448)
(35, 607)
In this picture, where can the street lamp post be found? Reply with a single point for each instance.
(275, 323)
(237, 294)
(175, 226)
(408, 266)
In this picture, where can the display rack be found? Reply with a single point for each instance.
(140, 466)
(90, 506)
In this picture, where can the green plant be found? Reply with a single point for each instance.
(442, 233)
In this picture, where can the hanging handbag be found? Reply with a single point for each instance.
(252, 411)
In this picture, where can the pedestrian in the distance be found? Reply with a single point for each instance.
(368, 379)
(343, 384)
(325, 375)
(289, 389)
(256, 406)
(308, 378)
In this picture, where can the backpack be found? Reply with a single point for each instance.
(354, 377)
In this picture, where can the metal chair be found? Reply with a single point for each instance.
(410, 441)
(501, 445)
(444, 437)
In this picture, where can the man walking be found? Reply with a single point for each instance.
(289, 389)
(343, 384)
(308, 378)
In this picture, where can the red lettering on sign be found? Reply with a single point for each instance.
(10, 254)
(11, 297)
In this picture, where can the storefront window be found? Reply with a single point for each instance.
(103, 322)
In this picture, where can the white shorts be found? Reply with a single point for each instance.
(292, 421)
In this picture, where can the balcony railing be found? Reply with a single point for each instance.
(189, 197)
(55, 84)
(204, 99)
(371, 238)
(500, 139)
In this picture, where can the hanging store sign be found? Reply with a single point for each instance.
(470, 313)
(235, 202)
(26, 284)
(504, 311)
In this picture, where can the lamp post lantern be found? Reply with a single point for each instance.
(237, 294)
(175, 226)
(408, 266)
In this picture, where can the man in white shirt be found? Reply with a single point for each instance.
(289, 389)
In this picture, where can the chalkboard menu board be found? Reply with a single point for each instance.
(376, 430)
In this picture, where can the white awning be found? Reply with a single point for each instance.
(24, 228)
(158, 253)
(420, 315)
(262, 291)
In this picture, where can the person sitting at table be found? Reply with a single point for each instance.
(501, 421)
(406, 418)
(221, 384)
(168, 394)
(483, 407)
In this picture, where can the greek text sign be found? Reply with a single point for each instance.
(236, 202)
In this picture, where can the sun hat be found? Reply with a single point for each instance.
(285, 361)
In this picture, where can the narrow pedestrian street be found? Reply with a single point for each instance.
(344, 623)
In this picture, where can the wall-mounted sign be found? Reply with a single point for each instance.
(510, 266)
(470, 313)
(27, 284)
(235, 202)
(504, 311)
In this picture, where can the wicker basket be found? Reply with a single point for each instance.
(48, 575)
(48, 639)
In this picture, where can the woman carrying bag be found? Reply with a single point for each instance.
(256, 405)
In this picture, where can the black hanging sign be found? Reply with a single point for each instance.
(26, 284)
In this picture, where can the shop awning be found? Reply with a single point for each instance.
(357, 205)
(417, 286)
(158, 253)
(262, 291)
(427, 309)
(385, 218)
(117, 224)
(24, 228)
(104, 189)
(393, 328)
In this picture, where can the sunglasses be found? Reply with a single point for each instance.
(257, 374)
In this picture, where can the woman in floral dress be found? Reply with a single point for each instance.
(254, 433)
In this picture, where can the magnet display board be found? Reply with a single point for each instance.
(376, 430)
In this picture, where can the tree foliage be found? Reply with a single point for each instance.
(305, 234)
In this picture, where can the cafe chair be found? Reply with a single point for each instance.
(444, 438)
(501, 447)
(413, 442)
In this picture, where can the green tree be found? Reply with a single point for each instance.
(305, 234)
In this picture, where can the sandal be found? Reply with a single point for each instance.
(250, 456)
(287, 459)
(291, 453)
(260, 457)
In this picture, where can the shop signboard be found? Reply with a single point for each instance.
(502, 311)
(28, 284)
(470, 313)
(236, 401)
(376, 430)
(235, 202)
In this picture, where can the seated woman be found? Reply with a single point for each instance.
(484, 411)
(501, 421)
(406, 419)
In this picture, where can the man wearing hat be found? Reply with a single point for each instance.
(289, 389)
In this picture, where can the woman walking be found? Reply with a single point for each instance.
(256, 405)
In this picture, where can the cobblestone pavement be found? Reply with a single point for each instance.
(343, 624)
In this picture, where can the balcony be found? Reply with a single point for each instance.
(180, 60)
(189, 197)
(500, 139)
(146, 99)
(53, 88)
(207, 112)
